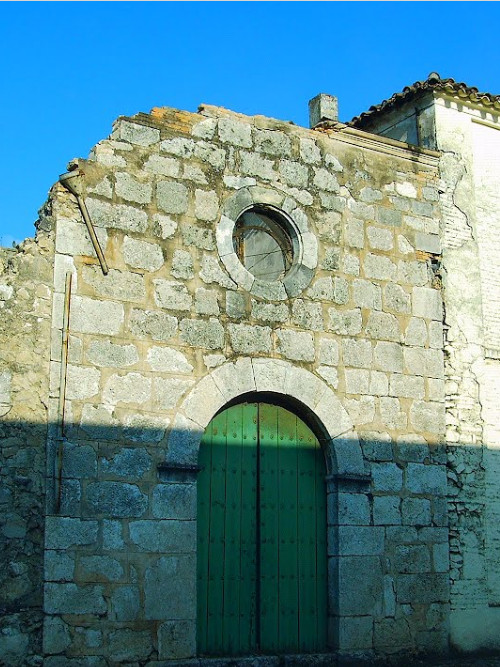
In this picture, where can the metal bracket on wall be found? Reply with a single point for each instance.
(73, 181)
(178, 472)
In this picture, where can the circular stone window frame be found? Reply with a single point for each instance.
(305, 244)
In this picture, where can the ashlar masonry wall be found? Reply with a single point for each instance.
(143, 356)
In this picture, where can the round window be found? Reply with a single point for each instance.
(263, 244)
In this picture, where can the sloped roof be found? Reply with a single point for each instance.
(433, 83)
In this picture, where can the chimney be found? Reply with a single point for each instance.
(323, 107)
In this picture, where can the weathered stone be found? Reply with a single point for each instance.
(116, 499)
(128, 463)
(64, 532)
(427, 417)
(235, 133)
(145, 428)
(206, 205)
(105, 353)
(387, 510)
(178, 146)
(169, 391)
(162, 166)
(296, 345)
(94, 316)
(163, 226)
(366, 294)
(388, 356)
(121, 285)
(211, 272)
(416, 332)
(131, 189)
(172, 197)
(182, 264)
(357, 381)
(206, 302)
(159, 326)
(79, 461)
(294, 173)
(421, 478)
(159, 536)
(416, 512)
(73, 599)
(168, 359)
(309, 151)
(272, 142)
(73, 238)
(387, 477)
(142, 255)
(345, 322)
(266, 312)
(117, 216)
(355, 233)
(130, 388)
(126, 642)
(406, 386)
(247, 339)
(176, 640)
(391, 414)
(307, 315)
(383, 326)
(125, 604)
(172, 295)
(100, 568)
(209, 335)
(174, 501)
(396, 299)
(324, 180)
(141, 135)
(357, 353)
(328, 351)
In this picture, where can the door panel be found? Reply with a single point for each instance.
(261, 534)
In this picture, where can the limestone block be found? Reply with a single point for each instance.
(168, 359)
(346, 453)
(389, 216)
(423, 588)
(294, 173)
(59, 566)
(355, 233)
(355, 633)
(358, 596)
(80, 461)
(331, 259)
(115, 499)
(133, 133)
(94, 316)
(370, 195)
(273, 142)
(178, 146)
(361, 411)
(406, 386)
(328, 351)
(383, 326)
(174, 501)
(73, 238)
(236, 306)
(428, 417)
(56, 635)
(213, 360)
(172, 197)
(130, 463)
(296, 345)
(428, 243)
(436, 390)
(345, 322)
(416, 512)
(82, 382)
(330, 375)
(203, 401)
(366, 294)
(307, 315)
(126, 642)
(112, 538)
(239, 182)
(379, 384)
(98, 421)
(130, 388)
(396, 299)
(430, 479)
(386, 510)
(380, 239)
(413, 273)
(159, 536)
(325, 180)
(361, 540)
(125, 603)
(120, 285)
(142, 255)
(357, 381)
(387, 477)
(354, 509)
(427, 303)
(416, 332)
(211, 272)
(207, 153)
(235, 379)
(265, 312)
(73, 599)
(357, 353)
(249, 339)
(404, 246)
(270, 374)
(5, 387)
(152, 323)
(163, 226)
(199, 333)
(206, 302)
(117, 216)
(412, 448)
(131, 189)
(309, 151)
(176, 640)
(392, 635)
(377, 445)
(322, 290)
(206, 206)
(105, 353)
(172, 295)
(255, 165)
(424, 362)
(391, 414)
(100, 569)
(183, 440)
(167, 392)
(234, 132)
(379, 267)
(182, 264)
(441, 557)
(308, 389)
(436, 335)
(162, 166)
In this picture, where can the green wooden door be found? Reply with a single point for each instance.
(262, 584)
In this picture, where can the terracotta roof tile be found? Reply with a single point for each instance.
(433, 82)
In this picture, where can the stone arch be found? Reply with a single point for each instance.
(263, 375)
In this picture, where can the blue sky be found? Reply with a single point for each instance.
(68, 69)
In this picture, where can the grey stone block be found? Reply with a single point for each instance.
(121, 285)
(182, 264)
(247, 339)
(345, 322)
(413, 273)
(152, 323)
(167, 392)
(416, 512)
(353, 509)
(141, 135)
(94, 316)
(129, 463)
(296, 345)
(129, 388)
(426, 479)
(116, 216)
(162, 166)
(427, 303)
(383, 326)
(175, 577)
(56, 635)
(406, 386)
(73, 599)
(357, 353)
(129, 188)
(366, 294)
(428, 417)
(142, 255)
(127, 642)
(64, 532)
(235, 132)
(172, 295)
(59, 566)
(99, 569)
(174, 501)
(307, 315)
(163, 536)
(267, 312)
(387, 511)
(423, 588)
(106, 353)
(209, 335)
(176, 640)
(80, 461)
(168, 359)
(125, 604)
(206, 302)
(172, 197)
(387, 477)
(355, 633)
(355, 595)
(115, 499)
(360, 540)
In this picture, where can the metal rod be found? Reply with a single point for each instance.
(62, 386)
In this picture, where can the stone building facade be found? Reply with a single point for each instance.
(137, 316)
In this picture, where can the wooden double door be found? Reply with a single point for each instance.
(262, 575)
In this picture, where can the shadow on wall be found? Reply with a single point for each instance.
(121, 545)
